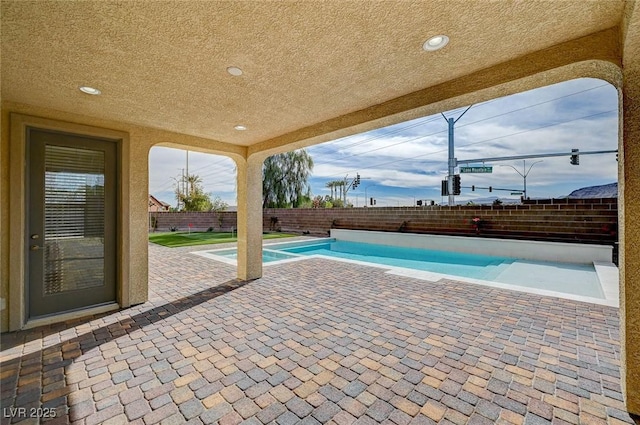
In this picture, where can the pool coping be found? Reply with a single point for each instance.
(607, 273)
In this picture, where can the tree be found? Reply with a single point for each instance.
(218, 206)
(285, 179)
(193, 182)
(339, 190)
(196, 199)
(332, 186)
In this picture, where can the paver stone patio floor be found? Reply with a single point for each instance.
(318, 341)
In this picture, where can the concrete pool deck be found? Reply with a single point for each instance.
(320, 342)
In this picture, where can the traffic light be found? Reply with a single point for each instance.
(456, 184)
(419, 202)
(444, 191)
(370, 201)
(356, 181)
(490, 189)
(575, 157)
(473, 187)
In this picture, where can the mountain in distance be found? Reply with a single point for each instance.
(604, 191)
(489, 200)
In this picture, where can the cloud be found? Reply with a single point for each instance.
(409, 159)
(578, 114)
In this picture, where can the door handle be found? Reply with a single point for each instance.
(35, 247)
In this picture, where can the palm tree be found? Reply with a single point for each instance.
(332, 185)
(193, 181)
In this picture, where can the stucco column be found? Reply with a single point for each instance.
(249, 219)
(629, 209)
(629, 198)
(135, 187)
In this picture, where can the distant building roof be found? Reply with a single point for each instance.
(157, 205)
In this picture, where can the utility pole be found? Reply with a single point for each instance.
(452, 163)
(452, 160)
(188, 189)
(346, 186)
(179, 187)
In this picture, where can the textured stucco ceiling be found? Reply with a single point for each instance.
(162, 64)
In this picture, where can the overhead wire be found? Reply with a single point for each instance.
(467, 124)
(479, 142)
(378, 136)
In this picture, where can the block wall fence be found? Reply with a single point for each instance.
(567, 220)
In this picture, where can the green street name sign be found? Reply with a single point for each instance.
(516, 193)
(476, 169)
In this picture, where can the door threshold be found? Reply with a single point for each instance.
(70, 315)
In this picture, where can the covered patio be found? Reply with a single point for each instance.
(301, 345)
(108, 80)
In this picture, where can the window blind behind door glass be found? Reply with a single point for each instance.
(74, 219)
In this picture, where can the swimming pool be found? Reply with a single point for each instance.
(579, 280)
(460, 264)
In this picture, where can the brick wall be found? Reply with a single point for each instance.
(570, 220)
(200, 221)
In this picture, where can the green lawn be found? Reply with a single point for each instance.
(177, 239)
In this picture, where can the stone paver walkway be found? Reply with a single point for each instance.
(318, 342)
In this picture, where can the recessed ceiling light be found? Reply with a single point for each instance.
(235, 71)
(90, 90)
(240, 127)
(435, 43)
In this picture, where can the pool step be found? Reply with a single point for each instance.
(495, 268)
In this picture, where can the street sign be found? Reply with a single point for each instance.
(516, 193)
(476, 169)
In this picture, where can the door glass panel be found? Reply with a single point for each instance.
(74, 219)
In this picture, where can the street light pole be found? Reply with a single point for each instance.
(452, 163)
(525, 171)
(365, 193)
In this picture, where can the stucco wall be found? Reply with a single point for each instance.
(4, 228)
(133, 201)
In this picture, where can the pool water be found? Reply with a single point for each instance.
(570, 278)
(268, 256)
(467, 265)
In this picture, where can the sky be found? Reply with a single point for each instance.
(406, 162)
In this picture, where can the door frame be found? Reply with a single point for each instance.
(18, 285)
(42, 305)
